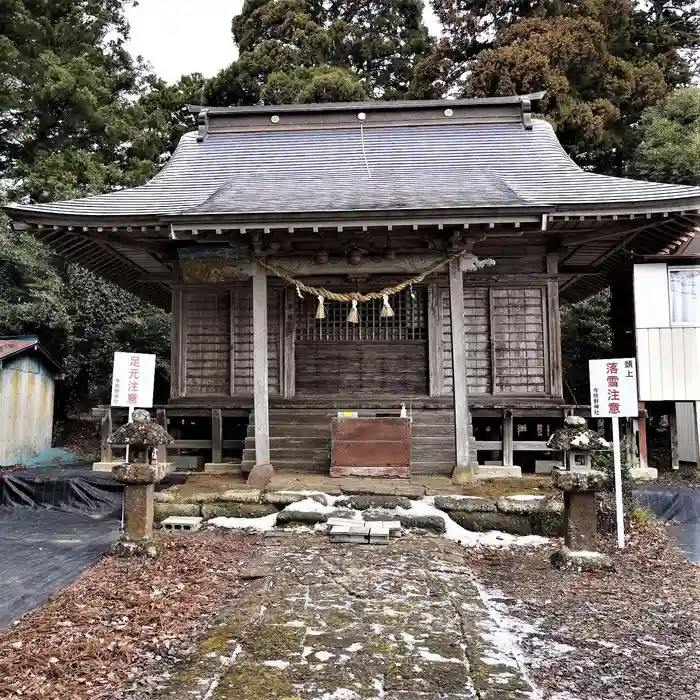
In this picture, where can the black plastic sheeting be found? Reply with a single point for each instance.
(54, 524)
(681, 507)
(71, 489)
(43, 550)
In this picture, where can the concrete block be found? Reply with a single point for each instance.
(181, 523)
(644, 474)
(499, 472)
(103, 466)
(162, 511)
(545, 466)
(359, 530)
(340, 530)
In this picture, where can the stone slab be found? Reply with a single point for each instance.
(571, 560)
(433, 523)
(182, 523)
(465, 504)
(367, 502)
(237, 510)
(300, 517)
(240, 496)
(282, 498)
(165, 510)
(499, 472)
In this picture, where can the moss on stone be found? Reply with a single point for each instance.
(161, 511)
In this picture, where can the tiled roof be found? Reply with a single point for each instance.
(484, 165)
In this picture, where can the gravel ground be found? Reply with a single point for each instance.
(632, 634)
(103, 635)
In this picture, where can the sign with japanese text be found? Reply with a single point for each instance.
(614, 388)
(132, 380)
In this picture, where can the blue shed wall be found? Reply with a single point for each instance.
(26, 409)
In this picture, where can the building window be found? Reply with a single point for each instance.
(684, 286)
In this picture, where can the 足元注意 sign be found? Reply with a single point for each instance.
(132, 380)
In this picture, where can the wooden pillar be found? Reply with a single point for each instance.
(507, 438)
(643, 451)
(162, 419)
(289, 344)
(260, 388)
(673, 430)
(459, 366)
(435, 369)
(177, 357)
(217, 436)
(554, 328)
(105, 432)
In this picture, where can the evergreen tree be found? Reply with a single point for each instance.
(602, 63)
(669, 135)
(299, 51)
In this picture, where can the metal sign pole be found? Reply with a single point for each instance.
(618, 483)
(131, 413)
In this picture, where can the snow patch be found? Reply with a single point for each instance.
(323, 655)
(430, 656)
(355, 647)
(339, 694)
(276, 664)
(468, 538)
(525, 497)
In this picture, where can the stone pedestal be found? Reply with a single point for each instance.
(138, 480)
(580, 508)
(138, 511)
(260, 476)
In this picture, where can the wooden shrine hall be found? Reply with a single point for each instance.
(353, 258)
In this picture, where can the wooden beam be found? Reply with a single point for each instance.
(507, 438)
(556, 384)
(177, 355)
(105, 432)
(260, 367)
(459, 365)
(435, 368)
(289, 344)
(217, 436)
(673, 433)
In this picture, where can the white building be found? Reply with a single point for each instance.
(667, 326)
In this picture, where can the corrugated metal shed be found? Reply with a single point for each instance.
(687, 448)
(27, 379)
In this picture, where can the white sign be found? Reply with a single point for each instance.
(614, 388)
(132, 380)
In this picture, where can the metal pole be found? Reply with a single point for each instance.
(618, 483)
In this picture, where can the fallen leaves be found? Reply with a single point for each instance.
(121, 618)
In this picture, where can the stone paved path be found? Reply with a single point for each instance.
(349, 622)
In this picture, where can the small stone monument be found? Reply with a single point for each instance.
(577, 442)
(144, 436)
(580, 519)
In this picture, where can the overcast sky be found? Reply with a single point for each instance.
(186, 36)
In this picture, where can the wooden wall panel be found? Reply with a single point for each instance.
(506, 331)
(207, 343)
(242, 340)
(477, 338)
(325, 368)
(520, 341)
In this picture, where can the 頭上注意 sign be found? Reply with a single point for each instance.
(614, 388)
(132, 380)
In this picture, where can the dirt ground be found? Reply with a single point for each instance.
(227, 616)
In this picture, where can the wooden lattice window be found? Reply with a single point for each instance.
(408, 322)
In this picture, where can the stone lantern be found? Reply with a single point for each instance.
(577, 442)
(144, 436)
